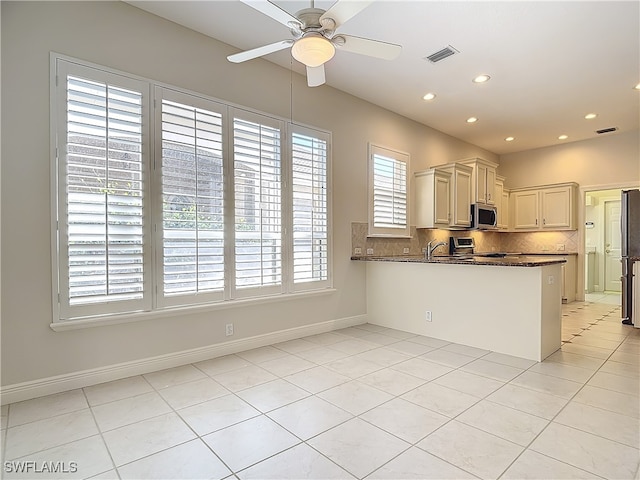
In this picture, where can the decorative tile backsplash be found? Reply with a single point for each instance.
(486, 241)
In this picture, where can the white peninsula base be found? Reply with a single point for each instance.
(506, 309)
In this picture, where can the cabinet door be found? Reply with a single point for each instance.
(505, 210)
(481, 183)
(441, 200)
(461, 208)
(498, 193)
(492, 196)
(556, 207)
(525, 210)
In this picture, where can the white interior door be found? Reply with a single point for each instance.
(612, 250)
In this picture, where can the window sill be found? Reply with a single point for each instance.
(101, 321)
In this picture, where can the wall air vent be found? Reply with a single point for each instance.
(606, 130)
(442, 54)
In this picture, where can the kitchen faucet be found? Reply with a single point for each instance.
(429, 251)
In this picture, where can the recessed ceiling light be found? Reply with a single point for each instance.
(481, 78)
(509, 139)
(429, 96)
(589, 116)
(472, 120)
(563, 137)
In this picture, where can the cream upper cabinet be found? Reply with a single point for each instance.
(483, 181)
(433, 194)
(558, 204)
(502, 204)
(551, 207)
(460, 196)
(525, 210)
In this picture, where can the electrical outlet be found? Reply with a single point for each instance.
(229, 329)
(369, 251)
(560, 247)
(545, 248)
(551, 279)
(427, 316)
(405, 250)
(357, 251)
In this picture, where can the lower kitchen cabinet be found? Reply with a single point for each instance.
(569, 279)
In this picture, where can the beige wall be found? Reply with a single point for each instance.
(122, 37)
(602, 161)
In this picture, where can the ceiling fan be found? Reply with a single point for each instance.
(314, 39)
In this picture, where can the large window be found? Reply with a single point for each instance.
(235, 204)
(388, 192)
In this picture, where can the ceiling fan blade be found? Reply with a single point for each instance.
(315, 76)
(260, 51)
(343, 10)
(272, 10)
(366, 46)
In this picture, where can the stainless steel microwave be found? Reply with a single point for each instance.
(484, 217)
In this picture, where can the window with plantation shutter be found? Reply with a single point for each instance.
(165, 199)
(257, 179)
(388, 192)
(102, 220)
(192, 180)
(309, 168)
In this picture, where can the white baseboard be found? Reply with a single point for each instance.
(61, 383)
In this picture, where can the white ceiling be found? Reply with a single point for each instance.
(550, 63)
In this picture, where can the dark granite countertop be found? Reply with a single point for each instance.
(506, 261)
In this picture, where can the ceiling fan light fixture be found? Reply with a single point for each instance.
(313, 50)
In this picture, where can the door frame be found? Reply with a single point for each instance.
(606, 200)
(583, 191)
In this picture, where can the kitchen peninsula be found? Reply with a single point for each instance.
(509, 305)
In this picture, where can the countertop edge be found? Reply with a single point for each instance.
(490, 261)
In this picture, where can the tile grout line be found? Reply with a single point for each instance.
(554, 417)
(311, 394)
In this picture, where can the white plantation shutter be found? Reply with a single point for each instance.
(231, 204)
(309, 166)
(102, 167)
(257, 179)
(192, 199)
(388, 190)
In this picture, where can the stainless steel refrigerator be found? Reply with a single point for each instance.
(630, 225)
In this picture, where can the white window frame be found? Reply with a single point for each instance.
(258, 290)
(62, 307)
(154, 303)
(328, 281)
(397, 230)
(160, 94)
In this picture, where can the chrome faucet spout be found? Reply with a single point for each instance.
(430, 249)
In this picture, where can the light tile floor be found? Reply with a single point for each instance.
(362, 402)
(613, 298)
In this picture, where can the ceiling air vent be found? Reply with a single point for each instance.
(442, 54)
(606, 130)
